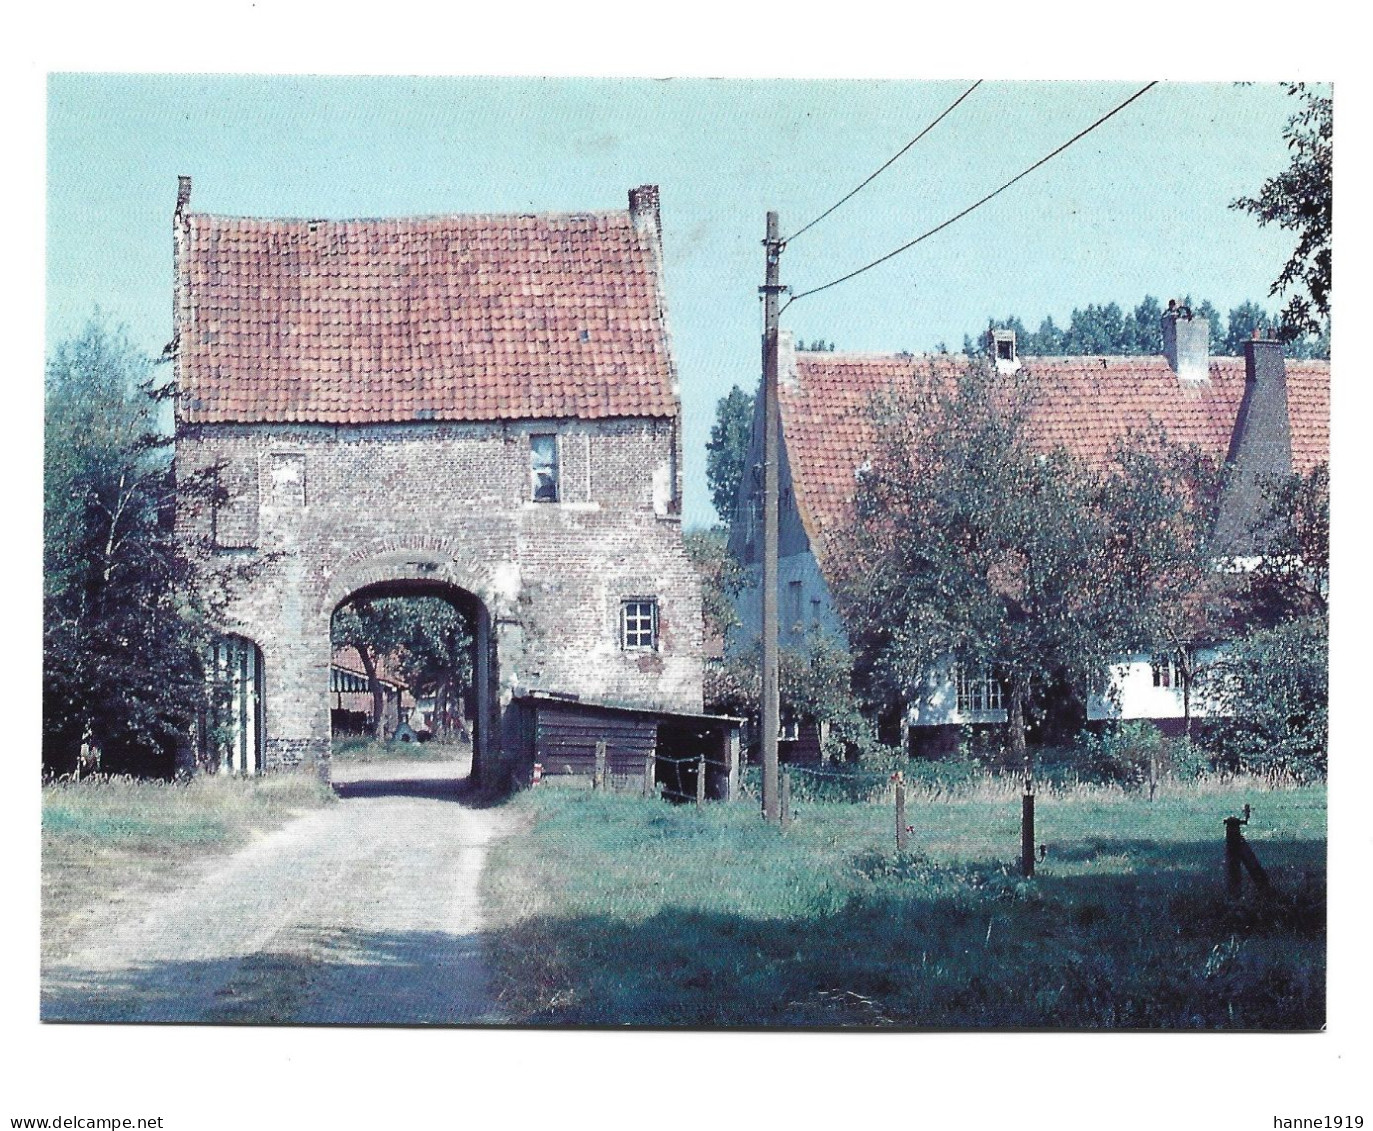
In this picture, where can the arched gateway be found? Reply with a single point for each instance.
(478, 407)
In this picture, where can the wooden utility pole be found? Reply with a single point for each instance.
(771, 705)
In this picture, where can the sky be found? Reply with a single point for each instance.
(1140, 206)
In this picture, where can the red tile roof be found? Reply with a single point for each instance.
(1083, 405)
(442, 318)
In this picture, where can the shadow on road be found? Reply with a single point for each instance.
(347, 977)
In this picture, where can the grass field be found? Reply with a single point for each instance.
(612, 910)
(109, 841)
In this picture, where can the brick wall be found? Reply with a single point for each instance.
(327, 510)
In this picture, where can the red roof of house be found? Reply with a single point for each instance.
(1083, 404)
(442, 318)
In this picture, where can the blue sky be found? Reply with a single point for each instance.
(1139, 206)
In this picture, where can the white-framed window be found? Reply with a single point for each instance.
(977, 691)
(639, 624)
(543, 467)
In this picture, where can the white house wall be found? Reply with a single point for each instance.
(1132, 694)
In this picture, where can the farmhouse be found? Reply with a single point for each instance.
(482, 408)
(1262, 413)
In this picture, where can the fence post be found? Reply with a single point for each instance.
(649, 791)
(598, 773)
(901, 838)
(1027, 834)
(786, 797)
(700, 780)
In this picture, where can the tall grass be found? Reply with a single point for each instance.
(613, 910)
(107, 840)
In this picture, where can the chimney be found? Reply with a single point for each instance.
(1260, 447)
(643, 210)
(1186, 342)
(183, 194)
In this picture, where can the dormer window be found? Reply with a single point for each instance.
(543, 467)
(1002, 344)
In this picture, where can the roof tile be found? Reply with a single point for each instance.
(1084, 405)
(442, 318)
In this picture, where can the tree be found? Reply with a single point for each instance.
(970, 545)
(1273, 683)
(375, 630)
(1107, 330)
(436, 659)
(1273, 690)
(1165, 497)
(727, 450)
(127, 611)
(1097, 330)
(425, 640)
(1291, 579)
(1299, 200)
(815, 685)
(721, 575)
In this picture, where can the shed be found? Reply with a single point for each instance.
(562, 735)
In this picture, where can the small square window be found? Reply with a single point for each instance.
(543, 466)
(639, 624)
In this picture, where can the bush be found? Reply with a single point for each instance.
(1272, 689)
(1122, 754)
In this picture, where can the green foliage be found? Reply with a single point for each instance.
(1123, 754)
(1299, 200)
(727, 450)
(1107, 330)
(1272, 683)
(1292, 578)
(126, 611)
(816, 345)
(814, 686)
(721, 575)
(425, 640)
(1274, 686)
(971, 546)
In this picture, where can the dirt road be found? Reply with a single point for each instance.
(366, 912)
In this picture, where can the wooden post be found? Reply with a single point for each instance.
(598, 775)
(901, 839)
(700, 780)
(1027, 834)
(786, 797)
(770, 705)
(649, 789)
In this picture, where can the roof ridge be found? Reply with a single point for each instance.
(568, 215)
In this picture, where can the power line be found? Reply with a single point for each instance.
(972, 207)
(891, 162)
